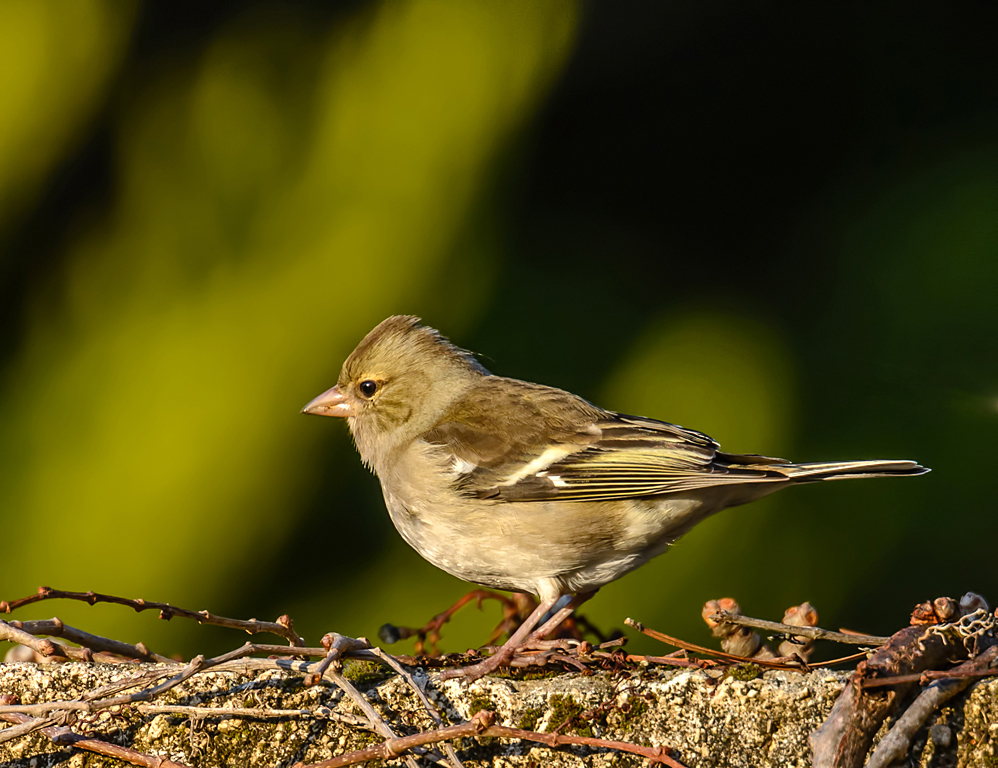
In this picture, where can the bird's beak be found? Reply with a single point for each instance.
(330, 403)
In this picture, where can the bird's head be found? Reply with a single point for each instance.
(396, 385)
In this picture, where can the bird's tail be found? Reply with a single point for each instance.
(846, 470)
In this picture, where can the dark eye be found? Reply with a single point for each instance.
(368, 387)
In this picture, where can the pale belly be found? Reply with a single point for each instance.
(545, 547)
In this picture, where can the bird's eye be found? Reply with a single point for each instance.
(368, 387)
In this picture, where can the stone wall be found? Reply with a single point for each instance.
(719, 722)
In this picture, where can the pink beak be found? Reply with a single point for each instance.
(329, 403)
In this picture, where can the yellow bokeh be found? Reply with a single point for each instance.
(258, 230)
(726, 374)
(55, 63)
(729, 375)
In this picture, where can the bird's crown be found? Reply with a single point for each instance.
(401, 342)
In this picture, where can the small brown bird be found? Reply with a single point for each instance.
(528, 488)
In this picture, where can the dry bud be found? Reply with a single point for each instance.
(924, 613)
(971, 602)
(946, 608)
(803, 615)
(711, 607)
(742, 642)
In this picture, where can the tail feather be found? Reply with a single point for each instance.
(819, 470)
(846, 470)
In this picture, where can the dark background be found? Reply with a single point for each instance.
(773, 223)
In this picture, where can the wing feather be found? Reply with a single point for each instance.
(541, 444)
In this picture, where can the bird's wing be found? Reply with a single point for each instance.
(566, 449)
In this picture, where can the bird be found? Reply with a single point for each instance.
(528, 488)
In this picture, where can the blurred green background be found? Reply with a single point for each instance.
(772, 223)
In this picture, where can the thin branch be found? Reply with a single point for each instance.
(253, 713)
(55, 628)
(137, 680)
(896, 743)
(482, 724)
(197, 665)
(844, 659)
(25, 725)
(365, 706)
(46, 648)
(61, 735)
(815, 633)
(430, 632)
(388, 659)
(729, 657)
(671, 661)
(924, 677)
(283, 627)
(336, 645)
(296, 652)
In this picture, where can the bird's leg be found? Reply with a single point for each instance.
(559, 616)
(505, 653)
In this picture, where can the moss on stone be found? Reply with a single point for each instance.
(632, 712)
(745, 672)
(524, 674)
(477, 702)
(529, 718)
(565, 709)
(364, 672)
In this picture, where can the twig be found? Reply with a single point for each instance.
(923, 677)
(262, 713)
(46, 648)
(844, 739)
(25, 725)
(815, 633)
(61, 735)
(844, 659)
(137, 680)
(335, 645)
(259, 713)
(671, 661)
(365, 706)
(895, 744)
(55, 628)
(296, 652)
(430, 632)
(730, 657)
(283, 627)
(197, 664)
(482, 724)
(388, 659)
